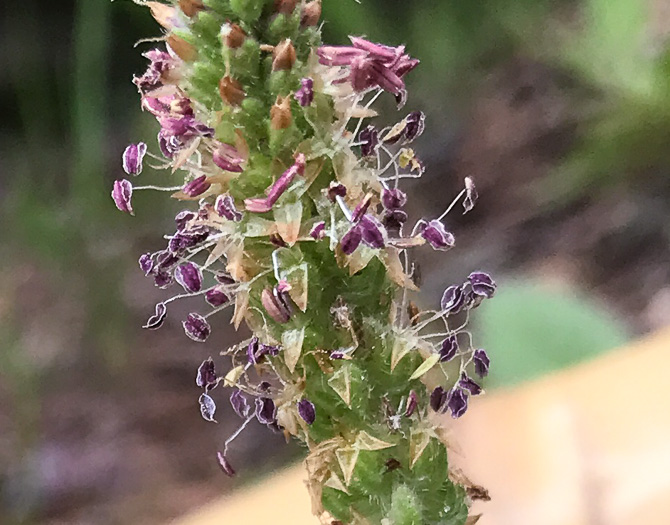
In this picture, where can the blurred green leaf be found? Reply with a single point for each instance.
(530, 330)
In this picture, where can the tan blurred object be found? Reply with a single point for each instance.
(587, 446)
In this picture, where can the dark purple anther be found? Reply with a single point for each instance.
(216, 297)
(207, 408)
(337, 355)
(240, 404)
(482, 284)
(262, 205)
(266, 411)
(318, 231)
(412, 400)
(132, 158)
(482, 362)
(307, 411)
(225, 207)
(468, 384)
(452, 300)
(225, 464)
(373, 233)
(156, 321)
(197, 327)
(393, 199)
(189, 275)
(457, 402)
(252, 351)
(336, 190)
(206, 377)
(438, 398)
(351, 240)
(163, 278)
(361, 209)
(146, 263)
(415, 123)
(196, 187)
(276, 304)
(369, 139)
(437, 236)
(471, 195)
(448, 349)
(122, 193)
(305, 95)
(394, 220)
(183, 218)
(228, 158)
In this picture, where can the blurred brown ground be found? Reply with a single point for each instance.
(588, 446)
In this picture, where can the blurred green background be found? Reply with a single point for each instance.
(560, 110)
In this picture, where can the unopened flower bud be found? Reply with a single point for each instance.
(482, 362)
(184, 50)
(280, 113)
(285, 7)
(189, 276)
(233, 36)
(283, 56)
(191, 7)
(231, 91)
(311, 13)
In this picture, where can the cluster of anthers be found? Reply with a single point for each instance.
(242, 248)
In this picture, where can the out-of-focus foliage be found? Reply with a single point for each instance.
(530, 330)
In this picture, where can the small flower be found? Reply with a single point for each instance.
(438, 398)
(225, 464)
(457, 402)
(307, 410)
(369, 139)
(231, 91)
(468, 384)
(283, 56)
(225, 207)
(266, 411)
(448, 349)
(351, 240)
(189, 276)
(437, 236)
(132, 158)
(482, 284)
(122, 193)
(206, 377)
(228, 158)
(305, 95)
(318, 230)
(482, 362)
(415, 124)
(207, 408)
(452, 300)
(335, 190)
(393, 221)
(311, 13)
(146, 263)
(471, 195)
(197, 327)
(216, 297)
(372, 231)
(197, 186)
(240, 404)
(393, 199)
(156, 321)
(412, 401)
(280, 113)
(233, 35)
(276, 305)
